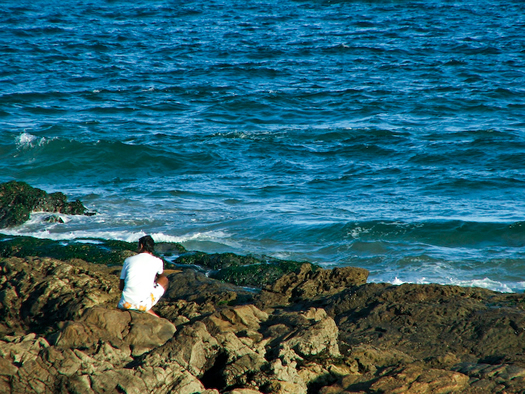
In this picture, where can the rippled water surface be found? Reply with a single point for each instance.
(388, 135)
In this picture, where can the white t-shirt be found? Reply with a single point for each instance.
(139, 273)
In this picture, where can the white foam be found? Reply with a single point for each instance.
(397, 281)
(357, 231)
(26, 140)
(33, 228)
(485, 283)
(73, 235)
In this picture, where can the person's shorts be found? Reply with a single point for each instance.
(147, 303)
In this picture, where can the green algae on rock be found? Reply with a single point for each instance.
(98, 251)
(242, 270)
(18, 200)
(256, 275)
(93, 251)
(216, 261)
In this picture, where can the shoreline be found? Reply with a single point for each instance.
(408, 262)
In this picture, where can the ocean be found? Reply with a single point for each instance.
(387, 135)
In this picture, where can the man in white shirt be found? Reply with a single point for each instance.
(141, 280)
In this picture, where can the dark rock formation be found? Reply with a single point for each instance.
(241, 270)
(311, 331)
(18, 200)
(107, 252)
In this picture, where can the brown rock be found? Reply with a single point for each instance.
(139, 331)
(193, 348)
(431, 320)
(323, 333)
(38, 293)
(308, 285)
(419, 380)
(319, 338)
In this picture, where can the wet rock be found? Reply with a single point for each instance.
(195, 286)
(107, 252)
(54, 219)
(240, 270)
(18, 200)
(215, 261)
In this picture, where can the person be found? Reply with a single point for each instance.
(142, 281)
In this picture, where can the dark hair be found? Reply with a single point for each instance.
(147, 244)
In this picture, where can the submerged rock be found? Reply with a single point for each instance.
(18, 200)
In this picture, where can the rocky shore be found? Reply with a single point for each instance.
(18, 200)
(240, 324)
(309, 331)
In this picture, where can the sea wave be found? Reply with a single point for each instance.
(27, 141)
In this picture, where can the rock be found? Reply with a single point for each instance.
(318, 338)
(194, 286)
(18, 200)
(39, 293)
(313, 330)
(246, 319)
(215, 261)
(432, 320)
(240, 270)
(107, 252)
(310, 285)
(193, 349)
(417, 379)
(54, 219)
(19, 350)
(370, 358)
(125, 330)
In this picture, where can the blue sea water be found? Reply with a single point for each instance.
(388, 135)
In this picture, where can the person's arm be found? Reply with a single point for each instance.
(162, 280)
(123, 274)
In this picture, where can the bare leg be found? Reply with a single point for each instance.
(163, 281)
(152, 313)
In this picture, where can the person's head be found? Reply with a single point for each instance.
(146, 244)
